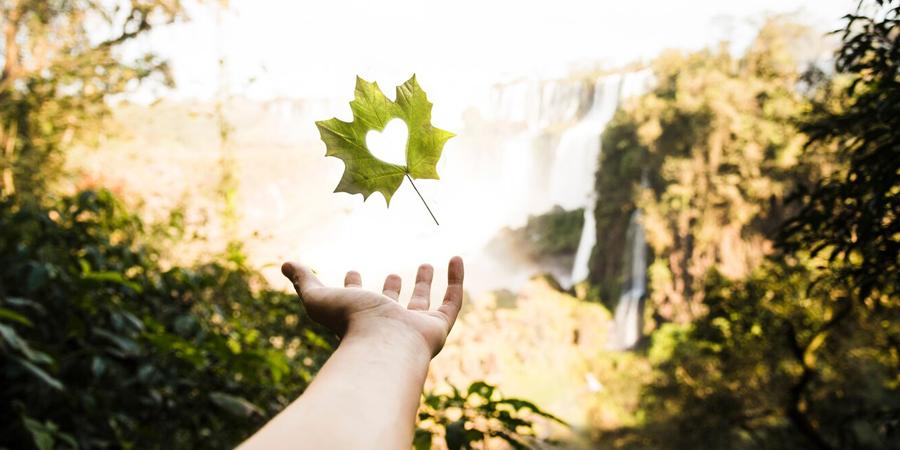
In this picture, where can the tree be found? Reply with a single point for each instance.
(803, 353)
(849, 216)
(102, 346)
(777, 362)
(101, 343)
(707, 156)
(61, 65)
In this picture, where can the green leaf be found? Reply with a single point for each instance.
(422, 440)
(482, 389)
(235, 405)
(372, 110)
(455, 435)
(44, 435)
(125, 345)
(519, 404)
(473, 435)
(112, 277)
(98, 366)
(24, 302)
(41, 374)
(14, 316)
(41, 435)
(13, 339)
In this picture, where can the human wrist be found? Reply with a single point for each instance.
(390, 337)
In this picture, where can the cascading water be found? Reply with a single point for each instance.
(576, 163)
(554, 157)
(575, 158)
(579, 154)
(627, 327)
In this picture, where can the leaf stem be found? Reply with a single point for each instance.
(423, 199)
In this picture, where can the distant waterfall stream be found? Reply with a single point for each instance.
(575, 163)
(627, 328)
(578, 156)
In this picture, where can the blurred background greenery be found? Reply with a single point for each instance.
(745, 205)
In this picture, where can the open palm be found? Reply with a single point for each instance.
(353, 308)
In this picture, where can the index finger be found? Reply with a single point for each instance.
(454, 296)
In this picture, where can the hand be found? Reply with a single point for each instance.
(367, 393)
(352, 310)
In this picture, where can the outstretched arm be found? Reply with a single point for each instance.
(366, 395)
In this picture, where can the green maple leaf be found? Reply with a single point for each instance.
(372, 110)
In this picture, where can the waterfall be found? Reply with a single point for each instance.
(546, 137)
(575, 158)
(627, 328)
(608, 94)
(538, 104)
(576, 163)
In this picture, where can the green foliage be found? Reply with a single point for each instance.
(779, 361)
(554, 233)
(102, 346)
(850, 215)
(102, 343)
(61, 65)
(802, 352)
(473, 416)
(707, 156)
(372, 110)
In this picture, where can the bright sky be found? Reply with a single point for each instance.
(315, 49)
(457, 49)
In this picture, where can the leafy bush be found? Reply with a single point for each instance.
(803, 351)
(475, 415)
(778, 362)
(103, 347)
(707, 156)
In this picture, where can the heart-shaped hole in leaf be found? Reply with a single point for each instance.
(390, 144)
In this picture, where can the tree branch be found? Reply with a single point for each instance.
(804, 355)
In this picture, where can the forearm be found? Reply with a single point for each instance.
(364, 397)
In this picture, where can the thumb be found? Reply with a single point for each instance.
(301, 276)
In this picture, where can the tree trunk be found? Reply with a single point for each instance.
(805, 356)
(9, 148)
(11, 60)
(11, 71)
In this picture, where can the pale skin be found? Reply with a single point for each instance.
(366, 395)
